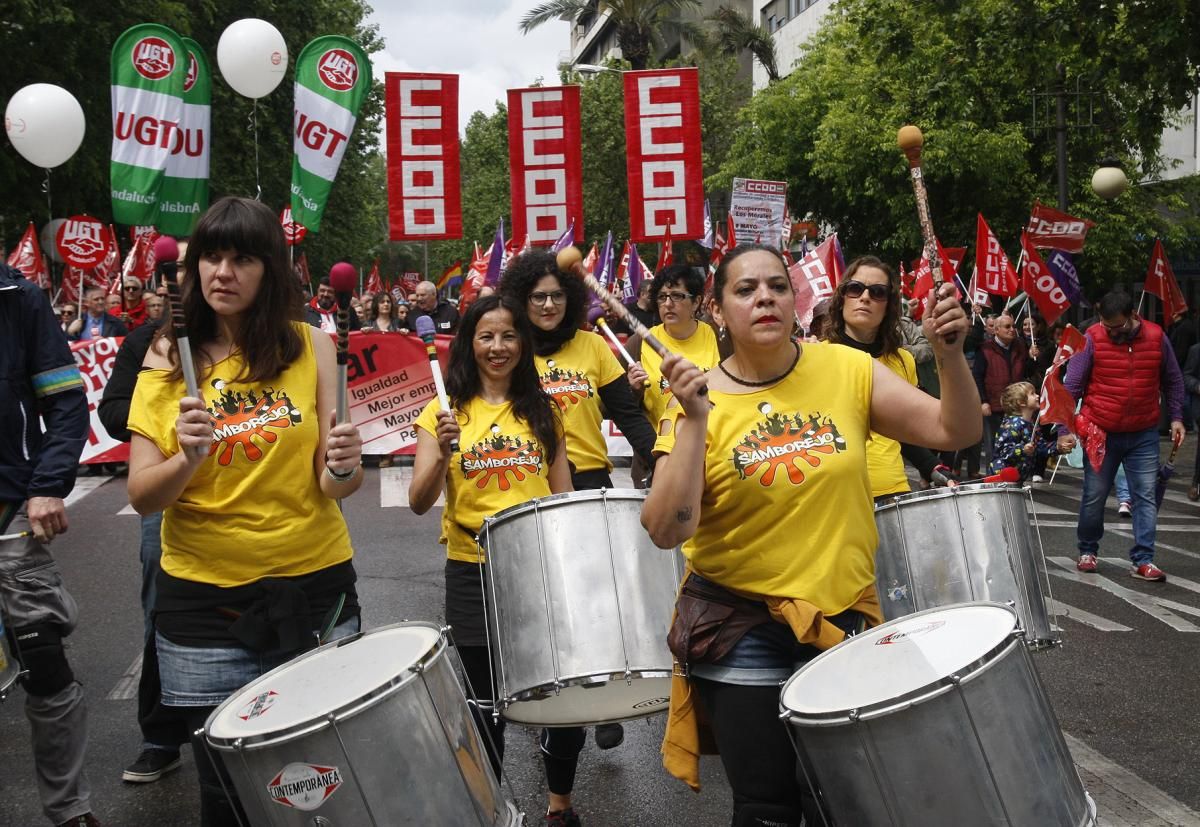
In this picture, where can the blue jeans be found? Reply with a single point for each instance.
(1138, 451)
(1123, 495)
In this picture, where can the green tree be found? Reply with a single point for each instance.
(734, 33)
(70, 45)
(639, 23)
(963, 72)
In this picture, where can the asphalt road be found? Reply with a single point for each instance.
(1132, 696)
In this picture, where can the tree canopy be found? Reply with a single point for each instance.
(964, 72)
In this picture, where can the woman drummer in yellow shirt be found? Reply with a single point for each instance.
(764, 480)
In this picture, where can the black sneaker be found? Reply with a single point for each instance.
(151, 765)
(609, 736)
(85, 820)
(563, 818)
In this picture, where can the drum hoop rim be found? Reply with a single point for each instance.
(361, 704)
(961, 490)
(938, 686)
(557, 500)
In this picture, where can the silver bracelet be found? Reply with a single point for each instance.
(342, 476)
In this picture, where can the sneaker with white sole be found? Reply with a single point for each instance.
(1087, 562)
(1125, 510)
(151, 765)
(1148, 571)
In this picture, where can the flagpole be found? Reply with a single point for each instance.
(425, 244)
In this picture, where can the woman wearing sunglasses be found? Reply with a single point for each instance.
(763, 478)
(865, 315)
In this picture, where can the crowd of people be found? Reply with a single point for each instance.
(235, 585)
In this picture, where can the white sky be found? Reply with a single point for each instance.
(475, 39)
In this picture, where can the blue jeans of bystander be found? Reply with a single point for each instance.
(1138, 451)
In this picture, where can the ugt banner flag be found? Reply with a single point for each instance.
(184, 194)
(149, 68)
(333, 76)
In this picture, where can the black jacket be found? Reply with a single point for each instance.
(38, 377)
(445, 317)
(110, 325)
(314, 318)
(118, 393)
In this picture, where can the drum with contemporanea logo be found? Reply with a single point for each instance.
(957, 545)
(579, 601)
(938, 718)
(368, 731)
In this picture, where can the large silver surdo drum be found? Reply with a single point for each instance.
(579, 602)
(958, 545)
(935, 719)
(368, 731)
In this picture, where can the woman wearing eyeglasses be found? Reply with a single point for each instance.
(677, 292)
(579, 371)
(764, 481)
(865, 315)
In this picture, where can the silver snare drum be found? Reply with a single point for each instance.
(958, 545)
(579, 602)
(369, 731)
(937, 718)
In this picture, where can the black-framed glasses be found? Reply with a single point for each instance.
(854, 289)
(674, 296)
(557, 298)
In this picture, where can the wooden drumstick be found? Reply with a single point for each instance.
(570, 261)
(166, 251)
(911, 141)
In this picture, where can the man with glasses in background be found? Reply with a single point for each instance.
(1124, 366)
(132, 310)
(999, 362)
(67, 314)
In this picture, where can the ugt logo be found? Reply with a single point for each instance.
(786, 442)
(153, 58)
(500, 457)
(338, 70)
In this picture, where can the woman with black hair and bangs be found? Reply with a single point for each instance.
(256, 557)
(498, 410)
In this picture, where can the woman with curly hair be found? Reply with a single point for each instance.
(497, 403)
(864, 314)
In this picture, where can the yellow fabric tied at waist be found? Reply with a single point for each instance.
(688, 735)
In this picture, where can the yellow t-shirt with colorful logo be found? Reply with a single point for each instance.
(884, 463)
(254, 508)
(787, 508)
(499, 463)
(573, 376)
(700, 349)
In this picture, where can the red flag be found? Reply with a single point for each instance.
(82, 241)
(1072, 342)
(374, 282)
(293, 231)
(1057, 404)
(27, 257)
(545, 162)
(974, 294)
(409, 281)
(1050, 228)
(301, 268)
(907, 280)
(922, 289)
(665, 163)
(1160, 280)
(476, 273)
(110, 267)
(814, 278)
(666, 253)
(424, 173)
(995, 274)
(140, 261)
(1039, 283)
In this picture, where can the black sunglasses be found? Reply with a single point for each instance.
(854, 289)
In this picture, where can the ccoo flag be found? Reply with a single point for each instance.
(149, 67)
(184, 193)
(333, 76)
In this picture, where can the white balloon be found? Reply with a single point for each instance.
(48, 238)
(45, 123)
(252, 56)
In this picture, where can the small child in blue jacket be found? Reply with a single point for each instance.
(1017, 444)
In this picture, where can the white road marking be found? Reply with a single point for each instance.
(83, 487)
(1150, 605)
(1145, 795)
(1181, 582)
(1059, 609)
(1074, 523)
(127, 511)
(127, 687)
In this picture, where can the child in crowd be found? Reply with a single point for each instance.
(1017, 444)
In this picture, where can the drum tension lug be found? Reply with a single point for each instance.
(854, 716)
(955, 680)
(628, 677)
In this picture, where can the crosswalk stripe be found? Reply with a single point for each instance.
(1059, 609)
(127, 687)
(1173, 813)
(83, 487)
(1143, 602)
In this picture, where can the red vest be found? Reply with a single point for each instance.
(1122, 392)
(1003, 368)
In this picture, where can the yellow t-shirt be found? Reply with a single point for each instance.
(884, 463)
(573, 376)
(700, 349)
(787, 508)
(499, 463)
(254, 509)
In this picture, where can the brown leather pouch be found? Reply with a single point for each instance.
(709, 620)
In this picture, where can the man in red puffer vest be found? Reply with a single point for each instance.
(1126, 363)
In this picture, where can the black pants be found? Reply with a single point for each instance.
(217, 809)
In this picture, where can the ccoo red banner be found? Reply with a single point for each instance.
(1049, 227)
(662, 143)
(545, 162)
(1039, 283)
(424, 192)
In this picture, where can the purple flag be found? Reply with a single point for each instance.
(707, 241)
(565, 240)
(495, 258)
(633, 276)
(1062, 267)
(604, 263)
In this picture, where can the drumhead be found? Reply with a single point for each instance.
(328, 679)
(897, 659)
